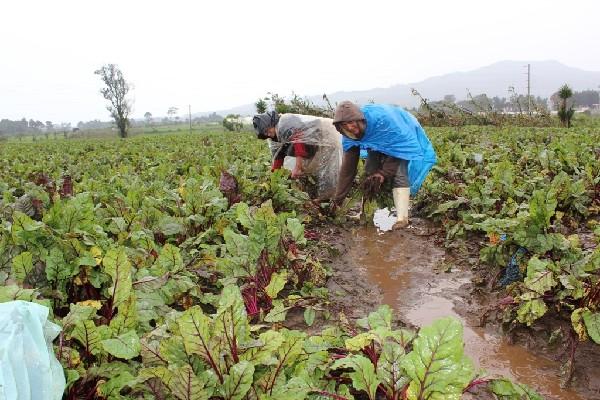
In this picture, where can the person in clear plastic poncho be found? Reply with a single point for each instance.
(398, 151)
(313, 141)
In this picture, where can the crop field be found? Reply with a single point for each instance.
(173, 263)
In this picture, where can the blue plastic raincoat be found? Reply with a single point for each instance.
(395, 132)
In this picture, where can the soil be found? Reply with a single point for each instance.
(421, 280)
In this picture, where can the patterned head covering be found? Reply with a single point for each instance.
(262, 122)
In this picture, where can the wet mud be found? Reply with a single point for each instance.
(421, 281)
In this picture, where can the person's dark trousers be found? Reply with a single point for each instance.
(393, 168)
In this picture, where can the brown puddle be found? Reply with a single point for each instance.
(403, 265)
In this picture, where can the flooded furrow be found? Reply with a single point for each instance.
(408, 269)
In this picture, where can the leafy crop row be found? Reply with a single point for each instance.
(531, 197)
(171, 264)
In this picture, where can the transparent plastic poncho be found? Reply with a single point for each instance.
(29, 369)
(325, 164)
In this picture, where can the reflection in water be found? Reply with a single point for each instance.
(402, 264)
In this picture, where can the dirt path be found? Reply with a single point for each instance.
(414, 275)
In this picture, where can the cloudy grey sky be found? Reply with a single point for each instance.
(220, 54)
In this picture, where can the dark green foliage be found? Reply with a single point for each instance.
(565, 113)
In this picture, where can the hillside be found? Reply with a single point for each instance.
(494, 80)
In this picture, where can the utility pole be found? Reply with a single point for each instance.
(529, 89)
(190, 116)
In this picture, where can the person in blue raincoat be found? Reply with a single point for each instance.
(398, 151)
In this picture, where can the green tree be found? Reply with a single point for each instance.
(148, 117)
(233, 122)
(115, 91)
(450, 98)
(565, 111)
(261, 106)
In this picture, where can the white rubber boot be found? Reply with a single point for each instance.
(401, 199)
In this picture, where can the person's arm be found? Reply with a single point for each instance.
(298, 170)
(277, 164)
(279, 158)
(300, 151)
(347, 173)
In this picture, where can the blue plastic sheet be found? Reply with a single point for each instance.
(29, 369)
(395, 132)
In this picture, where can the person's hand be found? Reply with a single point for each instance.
(372, 184)
(297, 173)
(333, 207)
(377, 177)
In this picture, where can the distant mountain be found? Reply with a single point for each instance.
(493, 80)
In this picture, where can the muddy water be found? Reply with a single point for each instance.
(409, 270)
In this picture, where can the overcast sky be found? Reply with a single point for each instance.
(220, 54)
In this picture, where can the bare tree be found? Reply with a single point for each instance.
(116, 93)
(172, 111)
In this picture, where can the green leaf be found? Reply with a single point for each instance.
(296, 229)
(542, 206)
(507, 390)
(56, 267)
(238, 382)
(77, 314)
(22, 266)
(363, 377)
(125, 346)
(71, 376)
(403, 336)
(236, 244)
(382, 317)
(359, 341)
(14, 292)
(72, 214)
(196, 330)
(231, 320)
(444, 207)
(23, 228)
(309, 316)
(169, 260)
(264, 353)
(185, 385)
(389, 369)
(170, 226)
(277, 313)
(112, 388)
(86, 259)
(437, 366)
(539, 278)
(126, 319)
(86, 333)
(243, 215)
(116, 264)
(294, 389)
(278, 281)
(573, 287)
(578, 324)
(287, 354)
(531, 310)
(592, 325)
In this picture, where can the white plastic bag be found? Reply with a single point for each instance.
(29, 369)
